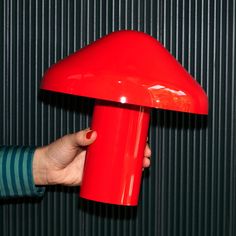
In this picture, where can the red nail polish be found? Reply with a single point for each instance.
(89, 134)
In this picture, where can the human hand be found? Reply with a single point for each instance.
(62, 162)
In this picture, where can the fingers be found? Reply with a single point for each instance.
(147, 156)
(146, 162)
(147, 151)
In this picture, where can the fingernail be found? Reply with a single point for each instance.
(89, 134)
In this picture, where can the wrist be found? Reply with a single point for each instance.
(39, 167)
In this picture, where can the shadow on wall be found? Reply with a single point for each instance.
(159, 118)
(68, 103)
(178, 120)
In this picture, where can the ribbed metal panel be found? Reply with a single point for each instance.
(190, 187)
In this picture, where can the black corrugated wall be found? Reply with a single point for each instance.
(190, 187)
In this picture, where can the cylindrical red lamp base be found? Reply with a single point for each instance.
(113, 167)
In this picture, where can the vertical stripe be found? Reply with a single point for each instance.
(2, 188)
(4, 173)
(11, 175)
(16, 171)
(190, 188)
(20, 170)
(25, 172)
(32, 188)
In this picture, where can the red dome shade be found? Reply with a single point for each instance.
(128, 67)
(128, 72)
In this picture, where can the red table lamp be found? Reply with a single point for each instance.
(129, 73)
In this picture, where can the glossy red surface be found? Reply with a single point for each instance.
(113, 166)
(132, 71)
(128, 67)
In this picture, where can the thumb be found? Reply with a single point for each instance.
(71, 142)
(84, 137)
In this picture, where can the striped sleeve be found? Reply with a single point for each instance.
(16, 177)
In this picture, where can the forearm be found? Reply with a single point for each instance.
(16, 177)
(39, 167)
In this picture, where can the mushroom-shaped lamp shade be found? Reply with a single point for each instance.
(128, 72)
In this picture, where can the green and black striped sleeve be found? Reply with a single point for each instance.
(16, 177)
